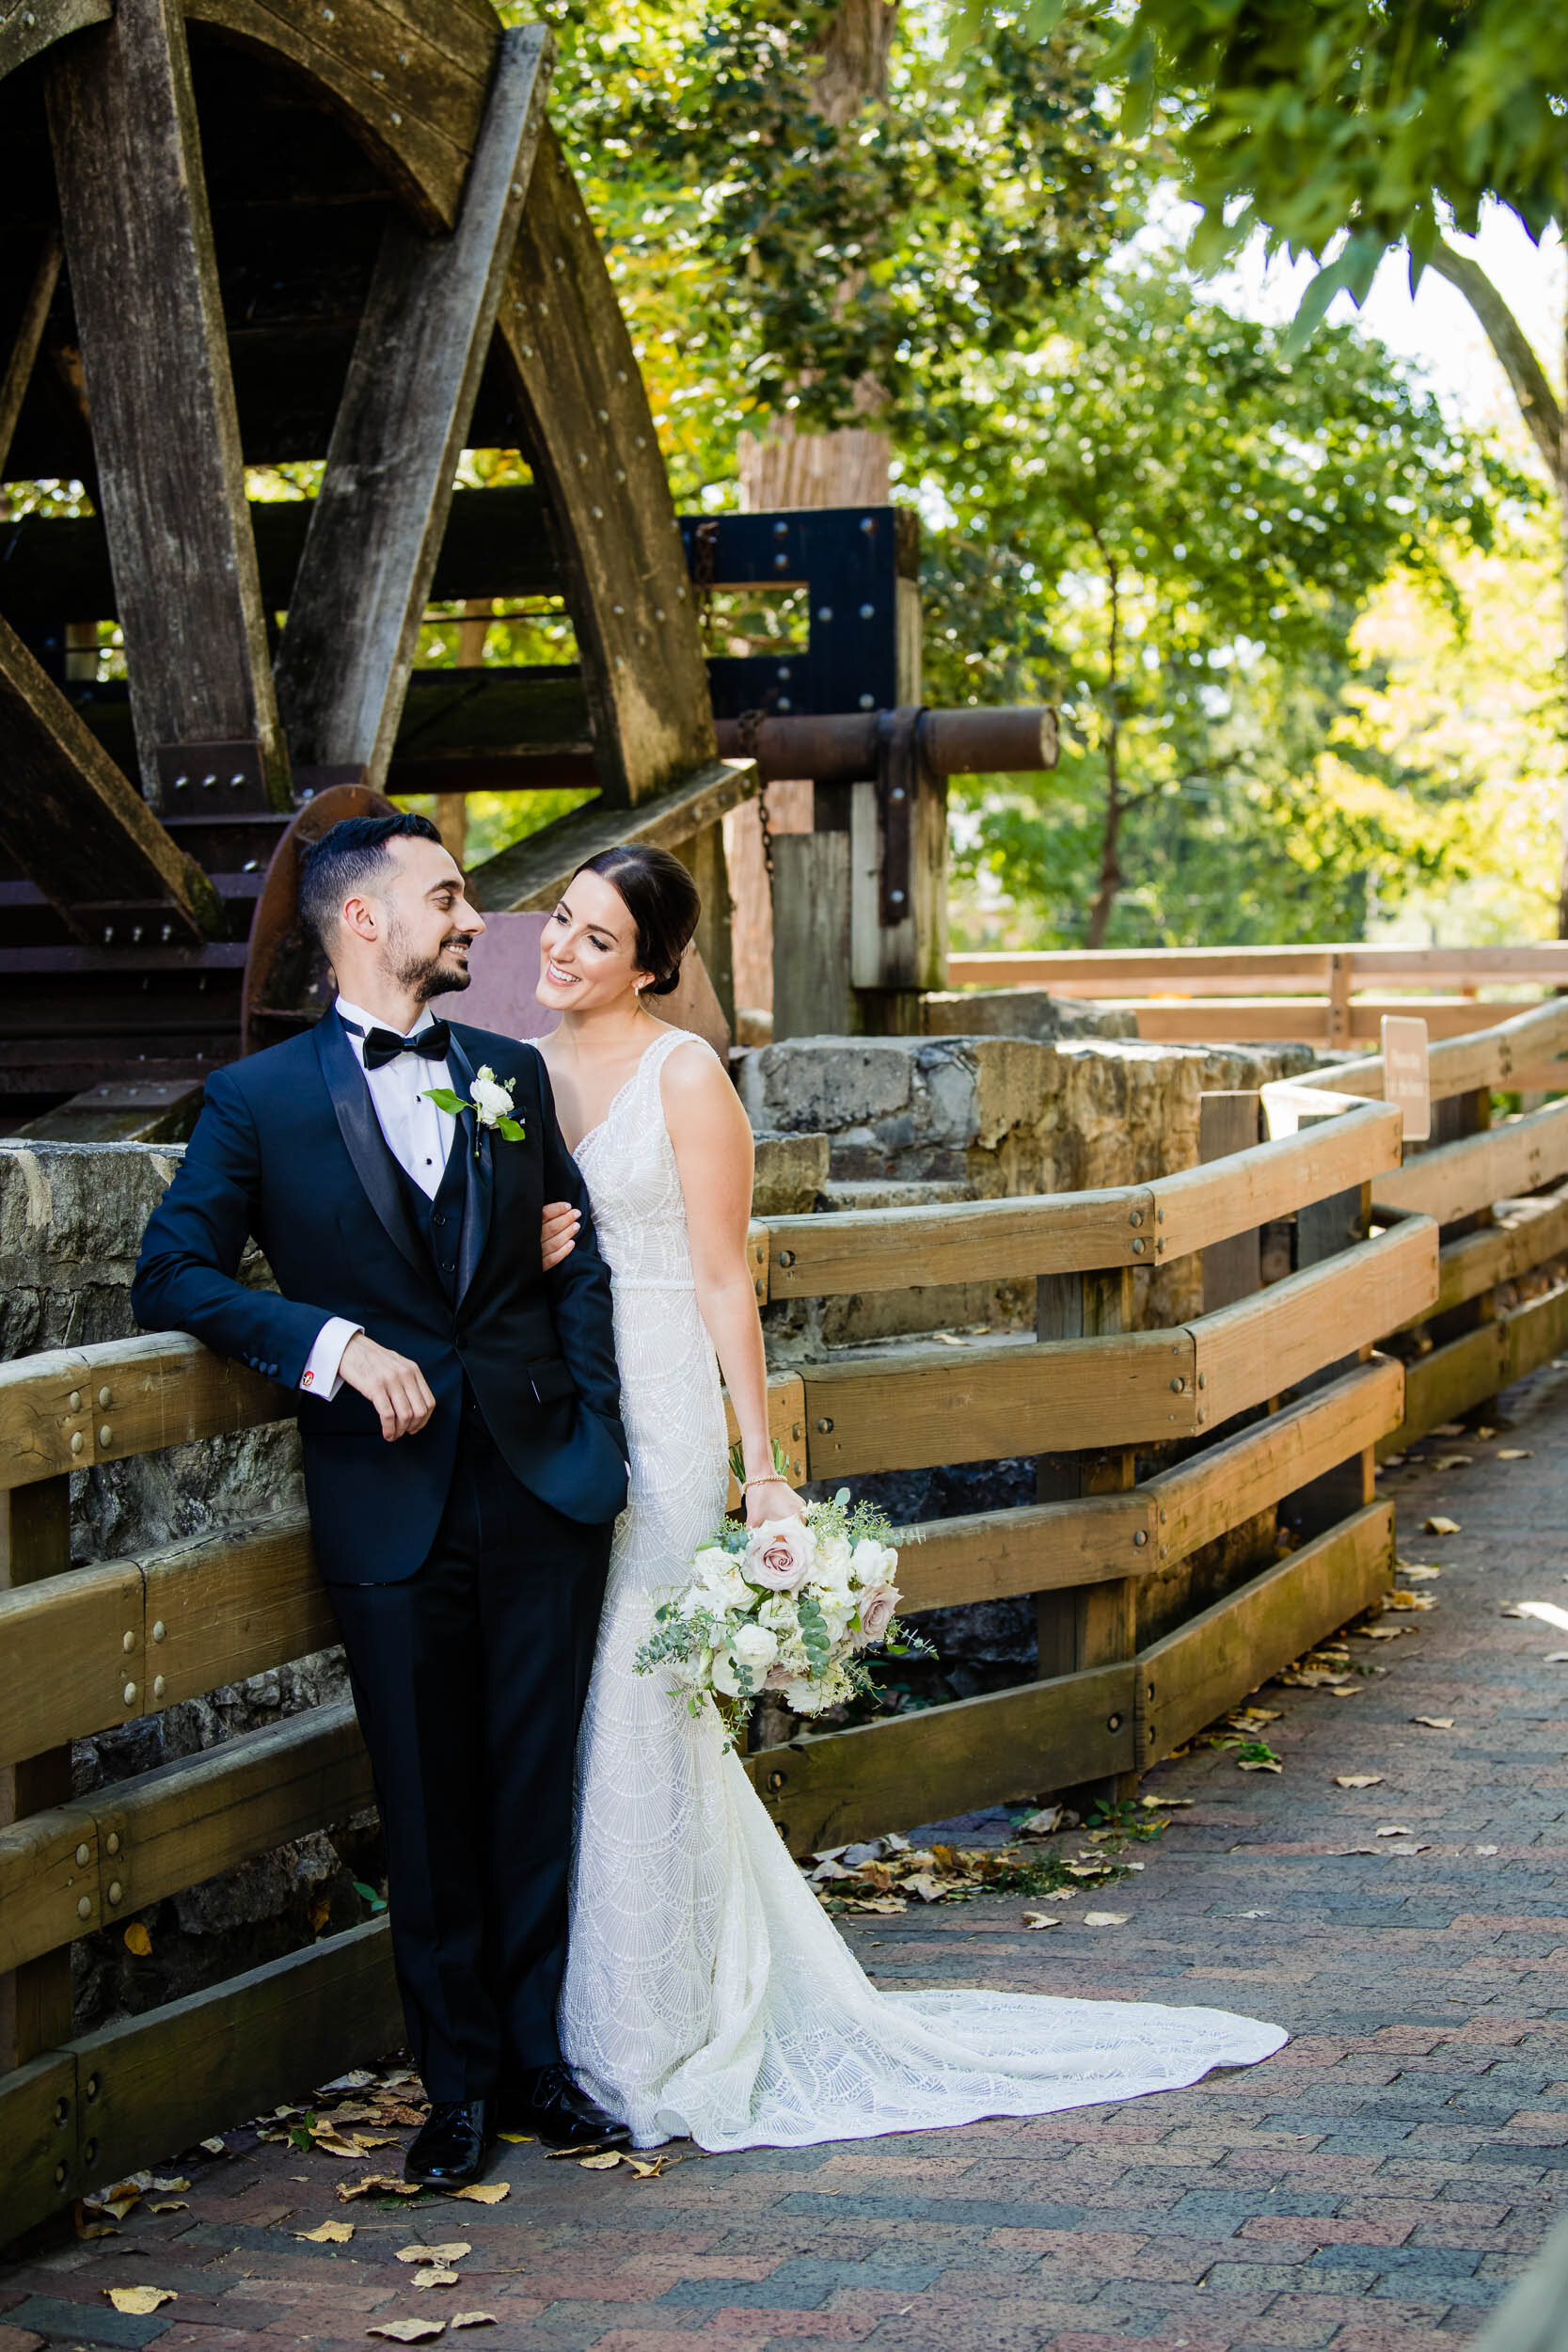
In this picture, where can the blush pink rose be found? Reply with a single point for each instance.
(780, 1555)
(877, 1613)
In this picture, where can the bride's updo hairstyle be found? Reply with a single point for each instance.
(663, 903)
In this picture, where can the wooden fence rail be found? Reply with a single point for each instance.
(1229, 1416)
(1201, 996)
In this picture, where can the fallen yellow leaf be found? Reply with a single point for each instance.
(138, 1940)
(485, 2192)
(513, 2139)
(1357, 1780)
(441, 2255)
(329, 2233)
(171, 2205)
(1434, 1722)
(409, 2331)
(1040, 1920)
(1106, 1919)
(1440, 1526)
(1514, 1454)
(381, 2184)
(140, 2301)
(473, 2319)
(434, 2277)
(606, 2162)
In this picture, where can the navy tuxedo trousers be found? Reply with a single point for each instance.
(469, 1678)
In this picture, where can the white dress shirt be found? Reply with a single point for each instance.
(419, 1136)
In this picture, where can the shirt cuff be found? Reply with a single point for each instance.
(321, 1376)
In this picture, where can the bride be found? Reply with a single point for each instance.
(707, 1994)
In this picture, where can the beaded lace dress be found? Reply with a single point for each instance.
(707, 1994)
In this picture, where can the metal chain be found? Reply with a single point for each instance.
(703, 557)
(749, 724)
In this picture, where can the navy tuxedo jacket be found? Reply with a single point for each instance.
(289, 1148)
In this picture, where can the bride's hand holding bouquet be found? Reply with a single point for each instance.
(788, 1603)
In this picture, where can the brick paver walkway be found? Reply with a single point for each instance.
(1374, 2186)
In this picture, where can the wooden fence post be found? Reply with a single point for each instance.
(1324, 1228)
(1227, 1123)
(35, 1999)
(1089, 1625)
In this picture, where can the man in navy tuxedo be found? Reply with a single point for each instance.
(459, 1410)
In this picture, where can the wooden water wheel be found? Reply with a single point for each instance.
(256, 233)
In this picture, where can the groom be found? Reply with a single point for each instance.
(464, 1458)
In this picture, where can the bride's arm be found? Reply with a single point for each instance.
(714, 1155)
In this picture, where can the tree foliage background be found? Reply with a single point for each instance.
(1136, 502)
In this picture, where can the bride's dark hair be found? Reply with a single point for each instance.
(663, 903)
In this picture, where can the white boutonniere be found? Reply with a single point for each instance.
(492, 1105)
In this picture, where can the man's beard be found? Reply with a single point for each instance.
(424, 977)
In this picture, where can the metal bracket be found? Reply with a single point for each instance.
(901, 770)
(224, 778)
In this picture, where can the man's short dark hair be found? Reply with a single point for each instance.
(350, 856)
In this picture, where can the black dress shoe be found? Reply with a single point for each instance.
(557, 2112)
(450, 2146)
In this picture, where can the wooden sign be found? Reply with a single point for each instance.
(1405, 1077)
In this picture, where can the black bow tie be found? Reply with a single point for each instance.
(385, 1045)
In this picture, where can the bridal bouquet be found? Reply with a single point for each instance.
(789, 1606)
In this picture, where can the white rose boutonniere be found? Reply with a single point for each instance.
(492, 1105)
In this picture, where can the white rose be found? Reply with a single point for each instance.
(836, 1614)
(874, 1562)
(722, 1580)
(491, 1098)
(780, 1616)
(803, 1698)
(832, 1559)
(724, 1676)
(753, 1647)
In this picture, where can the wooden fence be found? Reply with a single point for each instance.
(1274, 1398)
(1330, 996)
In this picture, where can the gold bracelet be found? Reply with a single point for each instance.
(772, 1478)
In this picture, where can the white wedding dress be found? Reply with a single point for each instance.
(707, 1994)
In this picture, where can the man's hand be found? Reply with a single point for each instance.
(396, 1387)
(557, 1231)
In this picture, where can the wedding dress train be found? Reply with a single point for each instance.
(707, 1994)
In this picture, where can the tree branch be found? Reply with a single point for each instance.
(1538, 403)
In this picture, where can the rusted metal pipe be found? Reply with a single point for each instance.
(842, 749)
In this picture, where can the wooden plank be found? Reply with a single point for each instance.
(219, 1607)
(195, 2065)
(1457, 1179)
(66, 1407)
(909, 1768)
(29, 332)
(533, 872)
(811, 995)
(44, 1882)
(1202, 1206)
(154, 347)
(704, 857)
(1229, 1123)
(992, 1555)
(786, 1426)
(1527, 1234)
(1441, 1386)
(73, 1646)
(1249, 1353)
(40, 2134)
(405, 98)
(365, 578)
(1219, 1657)
(906, 1407)
(1228, 1483)
(1497, 1057)
(172, 1827)
(1084, 971)
(35, 1549)
(1533, 1334)
(962, 1241)
(1273, 1020)
(76, 826)
(594, 448)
